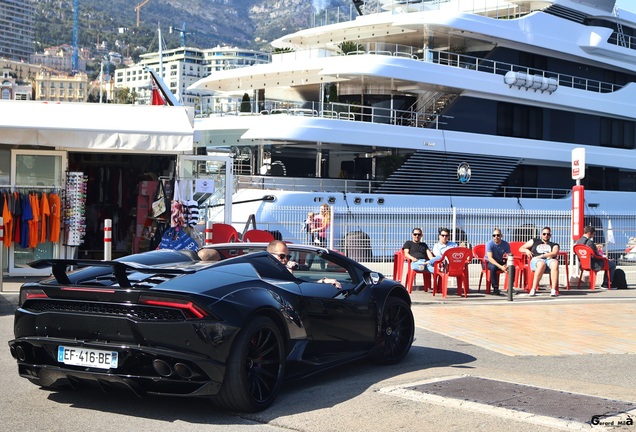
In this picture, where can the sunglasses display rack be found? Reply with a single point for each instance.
(75, 208)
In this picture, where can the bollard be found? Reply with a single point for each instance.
(208, 233)
(511, 275)
(1, 250)
(108, 239)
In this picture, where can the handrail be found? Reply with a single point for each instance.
(463, 61)
(307, 184)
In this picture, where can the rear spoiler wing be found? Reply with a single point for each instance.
(120, 269)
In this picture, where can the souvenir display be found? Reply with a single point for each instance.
(75, 208)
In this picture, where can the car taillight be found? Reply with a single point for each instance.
(31, 293)
(190, 309)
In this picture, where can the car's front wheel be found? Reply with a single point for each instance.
(255, 367)
(397, 329)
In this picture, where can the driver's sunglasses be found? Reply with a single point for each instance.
(417, 234)
(282, 256)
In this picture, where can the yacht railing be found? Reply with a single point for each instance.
(629, 41)
(352, 112)
(305, 184)
(463, 61)
(310, 184)
(501, 68)
(532, 192)
(501, 9)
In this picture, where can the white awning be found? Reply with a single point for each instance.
(97, 126)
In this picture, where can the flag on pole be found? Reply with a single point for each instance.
(161, 94)
(610, 232)
(157, 99)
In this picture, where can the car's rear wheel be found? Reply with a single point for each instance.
(397, 329)
(255, 367)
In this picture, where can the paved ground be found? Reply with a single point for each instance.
(580, 343)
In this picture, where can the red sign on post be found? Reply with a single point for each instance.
(578, 214)
(578, 163)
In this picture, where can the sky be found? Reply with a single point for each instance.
(629, 5)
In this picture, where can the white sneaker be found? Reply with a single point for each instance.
(532, 293)
(553, 293)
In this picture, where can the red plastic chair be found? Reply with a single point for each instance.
(398, 272)
(454, 263)
(528, 275)
(224, 233)
(585, 255)
(256, 235)
(479, 252)
(398, 265)
(411, 275)
(519, 262)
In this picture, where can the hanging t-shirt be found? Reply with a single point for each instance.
(45, 214)
(27, 216)
(34, 223)
(55, 224)
(8, 221)
(17, 217)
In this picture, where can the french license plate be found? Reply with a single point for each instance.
(87, 357)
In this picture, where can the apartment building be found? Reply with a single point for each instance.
(17, 29)
(182, 67)
(50, 86)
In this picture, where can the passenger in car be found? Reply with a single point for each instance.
(207, 254)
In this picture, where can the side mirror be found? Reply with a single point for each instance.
(370, 279)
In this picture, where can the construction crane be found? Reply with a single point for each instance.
(75, 57)
(182, 33)
(138, 8)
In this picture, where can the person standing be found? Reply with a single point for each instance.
(416, 251)
(587, 239)
(309, 225)
(443, 243)
(543, 254)
(497, 251)
(321, 224)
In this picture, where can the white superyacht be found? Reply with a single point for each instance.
(438, 103)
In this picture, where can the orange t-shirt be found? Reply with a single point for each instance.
(45, 213)
(34, 224)
(56, 217)
(8, 222)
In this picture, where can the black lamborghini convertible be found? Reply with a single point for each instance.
(166, 323)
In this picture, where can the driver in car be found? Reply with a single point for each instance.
(279, 249)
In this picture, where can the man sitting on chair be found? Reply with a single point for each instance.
(416, 251)
(497, 251)
(587, 239)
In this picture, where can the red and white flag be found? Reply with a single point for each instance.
(157, 99)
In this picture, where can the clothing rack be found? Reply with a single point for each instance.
(18, 188)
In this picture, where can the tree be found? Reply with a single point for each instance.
(246, 104)
(125, 96)
(333, 93)
(348, 46)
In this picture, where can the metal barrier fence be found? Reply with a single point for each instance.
(372, 235)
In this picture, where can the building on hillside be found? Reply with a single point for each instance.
(16, 29)
(50, 86)
(58, 58)
(22, 72)
(184, 66)
(11, 89)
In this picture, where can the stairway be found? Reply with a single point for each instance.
(435, 173)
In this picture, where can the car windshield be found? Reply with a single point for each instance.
(309, 266)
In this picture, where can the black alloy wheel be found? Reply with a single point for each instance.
(396, 332)
(255, 367)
